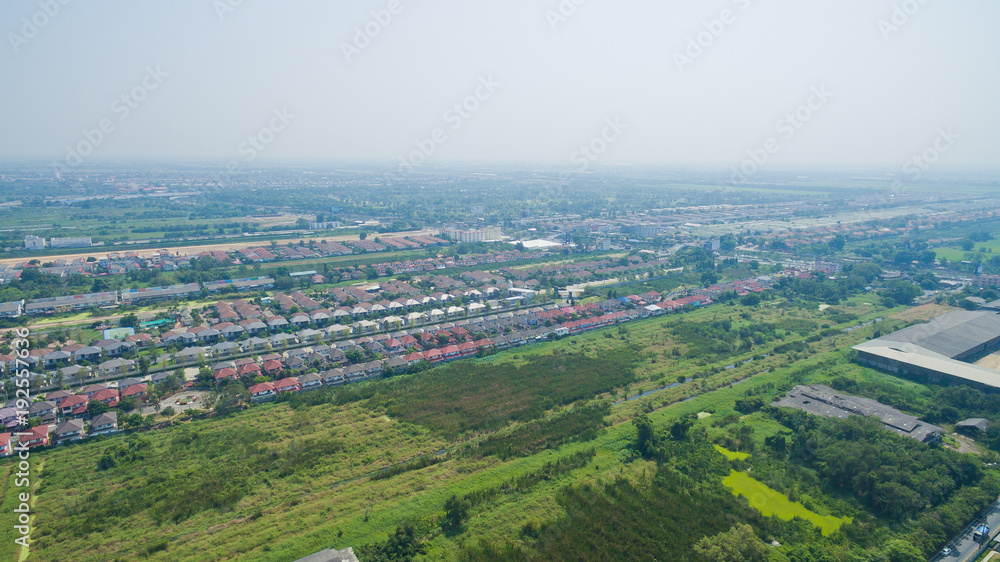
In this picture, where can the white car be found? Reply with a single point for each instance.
(946, 551)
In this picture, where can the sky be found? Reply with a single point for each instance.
(575, 83)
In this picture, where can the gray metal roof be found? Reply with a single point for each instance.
(824, 401)
(952, 334)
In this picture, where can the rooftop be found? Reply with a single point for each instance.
(823, 401)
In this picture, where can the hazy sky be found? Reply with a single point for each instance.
(296, 75)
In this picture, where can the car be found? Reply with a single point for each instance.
(946, 551)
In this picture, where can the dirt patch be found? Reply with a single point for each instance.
(965, 444)
(991, 361)
(923, 312)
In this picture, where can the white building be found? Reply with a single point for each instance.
(84, 242)
(34, 243)
(485, 234)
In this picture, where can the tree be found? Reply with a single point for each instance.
(645, 439)
(363, 235)
(96, 408)
(132, 420)
(455, 512)
(401, 545)
(128, 404)
(168, 412)
(679, 430)
(902, 292)
(129, 321)
(738, 544)
(231, 398)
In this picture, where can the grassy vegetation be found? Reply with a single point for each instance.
(732, 455)
(771, 503)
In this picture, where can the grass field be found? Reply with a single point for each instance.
(775, 504)
(732, 455)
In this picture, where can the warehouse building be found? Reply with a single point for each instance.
(81, 242)
(938, 350)
(823, 401)
(153, 294)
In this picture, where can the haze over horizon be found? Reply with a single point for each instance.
(847, 84)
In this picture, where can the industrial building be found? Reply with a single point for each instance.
(823, 401)
(937, 350)
(241, 285)
(84, 242)
(71, 303)
(152, 294)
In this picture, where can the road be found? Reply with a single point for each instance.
(965, 549)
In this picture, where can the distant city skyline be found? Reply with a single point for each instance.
(738, 85)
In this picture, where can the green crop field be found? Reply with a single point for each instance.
(775, 504)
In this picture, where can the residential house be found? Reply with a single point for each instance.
(116, 366)
(109, 396)
(262, 391)
(104, 424)
(37, 436)
(74, 405)
(287, 385)
(92, 389)
(134, 390)
(47, 410)
(310, 380)
(69, 430)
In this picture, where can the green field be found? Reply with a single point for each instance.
(732, 455)
(982, 251)
(775, 504)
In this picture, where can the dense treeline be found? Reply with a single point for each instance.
(821, 288)
(722, 338)
(891, 475)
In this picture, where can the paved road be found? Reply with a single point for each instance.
(964, 547)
